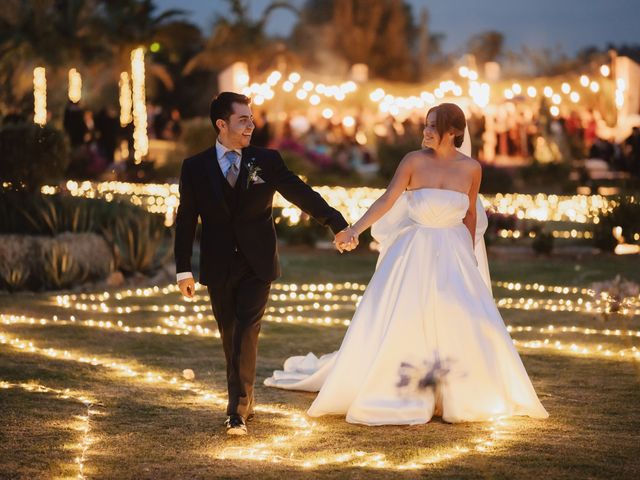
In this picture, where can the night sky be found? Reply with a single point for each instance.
(570, 24)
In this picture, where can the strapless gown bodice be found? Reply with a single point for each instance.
(437, 208)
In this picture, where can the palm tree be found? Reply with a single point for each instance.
(128, 24)
(60, 34)
(45, 32)
(239, 38)
(379, 33)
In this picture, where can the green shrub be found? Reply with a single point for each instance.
(197, 135)
(32, 156)
(390, 155)
(626, 215)
(299, 165)
(546, 177)
(496, 180)
(306, 232)
(542, 243)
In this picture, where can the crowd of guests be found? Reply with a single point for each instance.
(326, 145)
(98, 141)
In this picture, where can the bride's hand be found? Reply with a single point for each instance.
(346, 240)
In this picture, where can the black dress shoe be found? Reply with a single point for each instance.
(235, 425)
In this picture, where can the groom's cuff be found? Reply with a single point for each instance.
(183, 276)
(338, 224)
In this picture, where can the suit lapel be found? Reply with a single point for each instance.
(244, 174)
(215, 177)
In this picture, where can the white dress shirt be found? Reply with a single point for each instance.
(223, 161)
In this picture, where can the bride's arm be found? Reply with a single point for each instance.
(382, 205)
(471, 217)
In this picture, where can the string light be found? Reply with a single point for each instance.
(290, 301)
(267, 450)
(126, 104)
(309, 296)
(85, 420)
(353, 202)
(75, 85)
(39, 96)
(140, 139)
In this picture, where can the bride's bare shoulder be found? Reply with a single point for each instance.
(469, 162)
(417, 156)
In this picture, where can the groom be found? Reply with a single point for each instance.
(230, 187)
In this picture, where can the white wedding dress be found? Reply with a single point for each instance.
(429, 300)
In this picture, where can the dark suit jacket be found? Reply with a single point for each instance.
(250, 226)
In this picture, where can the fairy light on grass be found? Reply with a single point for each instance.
(85, 420)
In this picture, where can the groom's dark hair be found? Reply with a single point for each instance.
(222, 106)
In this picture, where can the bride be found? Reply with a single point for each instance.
(429, 302)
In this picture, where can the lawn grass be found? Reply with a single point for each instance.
(159, 429)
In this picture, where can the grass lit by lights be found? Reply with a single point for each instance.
(129, 347)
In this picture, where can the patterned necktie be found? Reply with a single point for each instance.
(232, 169)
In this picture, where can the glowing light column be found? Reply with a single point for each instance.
(75, 85)
(125, 100)
(39, 96)
(140, 139)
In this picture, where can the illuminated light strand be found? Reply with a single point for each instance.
(264, 450)
(140, 139)
(625, 354)
(496, 432)
(573, 348)
(467, 92)
(75, 85)
(579, 306)
(126, 369)
(181, 326)
(126, 102)
(39, 96)
(574, 329)
(292, 287)
(310, 302)
(302, 427)
(562, 234)
(543, 288)
(119, 326)
(353, 202)
(85, 427)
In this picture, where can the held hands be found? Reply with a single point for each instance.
(187, 287)
(346, 240)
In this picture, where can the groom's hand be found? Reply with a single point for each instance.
(187, 287)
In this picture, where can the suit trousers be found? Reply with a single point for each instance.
(238, 306)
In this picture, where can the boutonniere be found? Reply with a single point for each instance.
(253, 170)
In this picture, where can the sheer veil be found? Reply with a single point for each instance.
(386, 229)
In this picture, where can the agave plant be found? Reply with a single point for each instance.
(45, 217)
(60, 269)
(139, 242)
(13, 277)
(54, 215)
